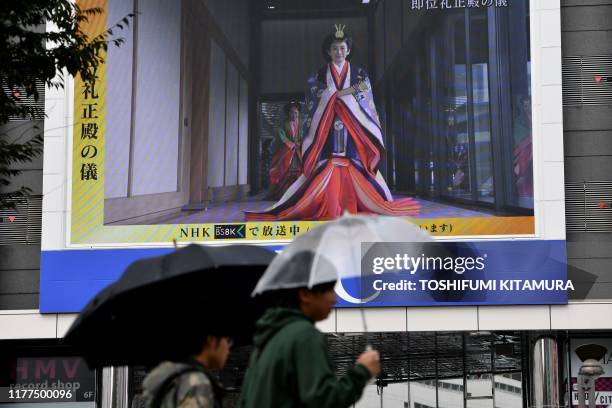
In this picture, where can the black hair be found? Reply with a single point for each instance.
(290, 298)
(288, 106)
(195, 346)
(330, 39)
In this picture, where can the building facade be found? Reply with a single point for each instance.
(433, 356)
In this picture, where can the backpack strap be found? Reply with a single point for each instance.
(169, 382)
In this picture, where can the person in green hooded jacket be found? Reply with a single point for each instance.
(290, 366)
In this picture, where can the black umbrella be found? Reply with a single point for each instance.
(160, 307)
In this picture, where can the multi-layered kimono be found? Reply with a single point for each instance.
(287, 159)
(341, 154)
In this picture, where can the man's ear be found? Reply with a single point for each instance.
(303, 295)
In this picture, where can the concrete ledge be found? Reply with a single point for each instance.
(64, 321)
(28, 326)
(581, 316)
(19, 312)
(449, 318)
(383, 319)
(514, 317)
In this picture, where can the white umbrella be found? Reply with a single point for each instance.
(334, 250)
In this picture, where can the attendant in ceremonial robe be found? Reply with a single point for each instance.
(287, 159)
(342, 148)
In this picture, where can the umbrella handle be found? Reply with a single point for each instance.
(369, 347)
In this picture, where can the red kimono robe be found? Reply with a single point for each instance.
(341, 154)
(287, 159)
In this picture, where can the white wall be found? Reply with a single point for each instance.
(228, 122)
(231, 126)
(156, 92)
(30, 324)
(574, 316)
(243, 139)
(216, 124)
(118, 110)
(156, 132)
(232, 16)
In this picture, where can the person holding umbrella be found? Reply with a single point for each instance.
(188, 382)
(289, 365)
(172, 312)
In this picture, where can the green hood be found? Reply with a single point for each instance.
(272, 321)
(290, 367)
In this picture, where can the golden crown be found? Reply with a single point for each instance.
(339, 34)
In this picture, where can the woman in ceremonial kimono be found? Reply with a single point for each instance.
(341, 150)
(287, 159)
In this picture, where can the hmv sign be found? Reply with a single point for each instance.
(59, 374)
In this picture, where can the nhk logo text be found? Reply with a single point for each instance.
(230, 231)
(221, 231)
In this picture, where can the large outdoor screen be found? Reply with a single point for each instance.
(232, 121)
(195, 121)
